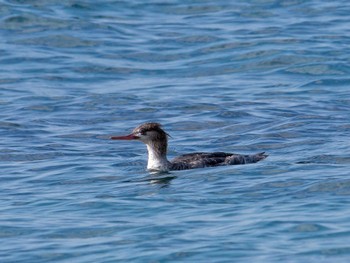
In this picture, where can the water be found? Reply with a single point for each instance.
(246, 77)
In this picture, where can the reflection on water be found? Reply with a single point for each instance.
(163, 181)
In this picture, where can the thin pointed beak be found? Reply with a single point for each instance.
(126, 137)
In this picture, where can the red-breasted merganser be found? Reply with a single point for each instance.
(156, 140)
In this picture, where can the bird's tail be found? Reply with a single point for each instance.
(244, 159)
(254, 158)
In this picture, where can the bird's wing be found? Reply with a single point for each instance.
(198, 160)
(203, 159)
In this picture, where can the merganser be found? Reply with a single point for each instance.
(156, 140)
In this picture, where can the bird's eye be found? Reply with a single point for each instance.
(142, 133)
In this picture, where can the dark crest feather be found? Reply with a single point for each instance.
(150, 126)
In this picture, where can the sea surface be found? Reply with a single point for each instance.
(234, 76)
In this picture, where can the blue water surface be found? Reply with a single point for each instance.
(235, 76)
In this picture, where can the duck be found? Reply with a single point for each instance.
(156, 140)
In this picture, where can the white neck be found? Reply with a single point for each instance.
(156, 161)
